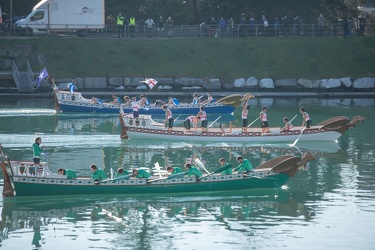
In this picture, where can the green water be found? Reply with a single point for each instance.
(331, 204)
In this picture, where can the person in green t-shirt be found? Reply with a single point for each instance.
(121, 172)
(245, 165)
(97, 174)
(174, 170)
(193, 171)
(141, 173)
(37, 150)
(70, 174)
(223, 164)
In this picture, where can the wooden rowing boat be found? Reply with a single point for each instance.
(20, 181)
(75, 102)
(145, 128)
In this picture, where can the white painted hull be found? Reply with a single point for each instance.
(165, 135)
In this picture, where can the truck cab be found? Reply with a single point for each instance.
(36, 22)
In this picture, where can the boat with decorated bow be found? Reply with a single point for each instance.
(75, 102)
(23, 178)
(145, 128)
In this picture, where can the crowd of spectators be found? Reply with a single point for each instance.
(249, 26)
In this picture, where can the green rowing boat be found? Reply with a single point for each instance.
(24, 178)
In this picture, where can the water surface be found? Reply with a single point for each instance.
(330, 204)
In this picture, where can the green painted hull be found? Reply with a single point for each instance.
(42, 189)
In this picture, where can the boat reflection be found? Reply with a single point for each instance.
(86, 123)
(143, 212)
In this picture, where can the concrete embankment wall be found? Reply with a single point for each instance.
(23, 53)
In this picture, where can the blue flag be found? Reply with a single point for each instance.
(42, 75)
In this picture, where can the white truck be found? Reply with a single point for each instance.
(63, 15)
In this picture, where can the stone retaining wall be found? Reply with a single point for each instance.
(23, 53)
(215, 85)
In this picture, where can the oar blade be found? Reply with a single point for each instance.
(221, 169)
(157, 167)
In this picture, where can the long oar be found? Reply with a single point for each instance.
(177, 118)
(201, 165)
(122, 177)
(219, 170)
(214, 122)
(179, 175)
(253, 122)
(293, 118)
(295, 142)
(99, 109)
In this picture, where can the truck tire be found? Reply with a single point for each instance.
(18, 31)
(28, 32)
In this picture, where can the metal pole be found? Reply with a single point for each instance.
(11, 14)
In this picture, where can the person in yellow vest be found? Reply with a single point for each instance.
(120, 25)
(132, 26)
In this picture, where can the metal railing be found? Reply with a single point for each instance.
(204, 30)
(16, 75)
(29, 71)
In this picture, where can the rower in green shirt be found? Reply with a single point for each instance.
(174, 170)
(222, 164)
(70, 174)
(121, 172)
(97, 174)
(245, 165)
(141, 173)
(193, 171)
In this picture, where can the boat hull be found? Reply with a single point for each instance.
(41, 187)
(310, 135)
(184, 110)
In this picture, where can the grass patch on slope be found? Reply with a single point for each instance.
(226, 58)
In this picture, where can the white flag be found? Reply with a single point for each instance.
(150, 82)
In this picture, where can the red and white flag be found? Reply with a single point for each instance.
(150, 82)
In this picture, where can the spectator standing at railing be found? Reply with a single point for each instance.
(321, 22)
(169, 24)
(161, 25)
(348, 26)
(142, 13)
(362, 25)
(252, 26)
(212, 27)
(132, 26)
(283, 27)
(296, 23)
(276, 25)
(120, 25)
(222, 25)
(242, 25)
(263, 24)
(126, 25)
(230, 26)
(149, 23)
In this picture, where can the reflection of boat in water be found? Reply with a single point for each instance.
(161, 146)
(80, 124)
(226, 210)
(28, 179)
(145, 128)
(179, 120)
